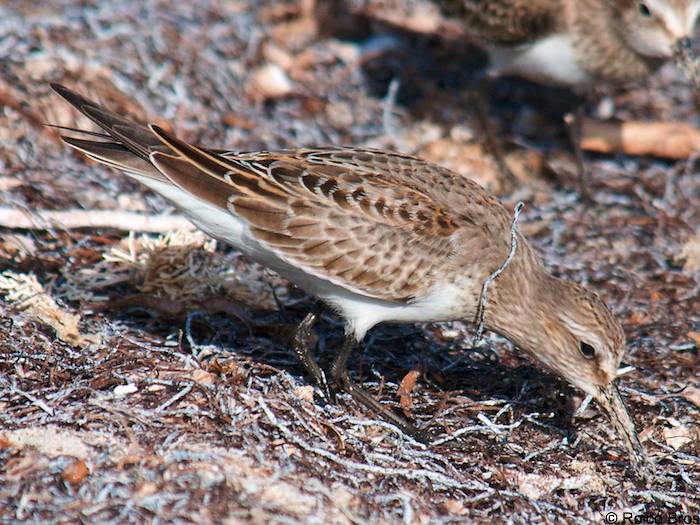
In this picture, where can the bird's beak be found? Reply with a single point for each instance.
(684, 42)
(609, 400)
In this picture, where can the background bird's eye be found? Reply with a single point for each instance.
(587, 350)
(644, 9)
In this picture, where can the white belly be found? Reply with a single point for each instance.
(444, 302)
(551, 60)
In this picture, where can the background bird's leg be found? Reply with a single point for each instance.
(301, 342)
(493, 145)
(339, 373)
(575, 124)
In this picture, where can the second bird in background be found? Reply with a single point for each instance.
(577, 43)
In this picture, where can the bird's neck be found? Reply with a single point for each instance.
(519, 301)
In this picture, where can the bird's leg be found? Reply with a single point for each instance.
(575, 125)
(493, 145)
(301, 342)
(339, 373)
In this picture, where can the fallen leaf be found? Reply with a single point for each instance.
(230, 369)
(692, 394)
(268, 82)
(282, 495)
(295, 34)
(125, 390)
(203, 377)
(305, 393)
(19, 246)
(691, 254)
(423, 18)
(25, 291)
(235, 120)
(274, 54)
(454, 507)
(408, 383)
(645, 434)
(51, 441)
(146, 489)
(76, 472)
(8, 183)
(677, 437)
(638, 318)
(5, 443)
(695, 336)
(536, 486)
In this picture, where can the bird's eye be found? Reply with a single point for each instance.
(587, 350)
(644, 9)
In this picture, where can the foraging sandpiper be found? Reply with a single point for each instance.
(577, 43)
(379, 237)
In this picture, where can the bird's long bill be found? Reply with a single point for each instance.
(687, 58)
(611, 403)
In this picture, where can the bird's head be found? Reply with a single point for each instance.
(654, 28)
(572, 332)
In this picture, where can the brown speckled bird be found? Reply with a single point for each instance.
(378, 237)
(577, 43)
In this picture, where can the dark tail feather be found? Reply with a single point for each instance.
(125, 146)
(114, 155)
(137, 138)
(80, 131)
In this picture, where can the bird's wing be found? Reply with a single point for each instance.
(505, 22)
(363, 232)
(378, 224)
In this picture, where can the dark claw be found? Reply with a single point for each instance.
(301, 342)
(339, 374)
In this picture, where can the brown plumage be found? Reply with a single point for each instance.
(379, 237)
(597, 40)
(507, 22)
(576, 43)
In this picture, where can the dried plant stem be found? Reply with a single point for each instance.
(34, 400)
(387, 113)
(483, 304)
(669, 140)
(435, 477)
(182, 393)
(14, 218)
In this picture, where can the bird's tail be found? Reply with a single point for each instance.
(126, 145)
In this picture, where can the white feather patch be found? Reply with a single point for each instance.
(551, 59)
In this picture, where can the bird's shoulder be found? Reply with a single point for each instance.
(506, 22)
(379, 184)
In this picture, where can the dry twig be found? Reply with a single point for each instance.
(13, 218)
(670, 140)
